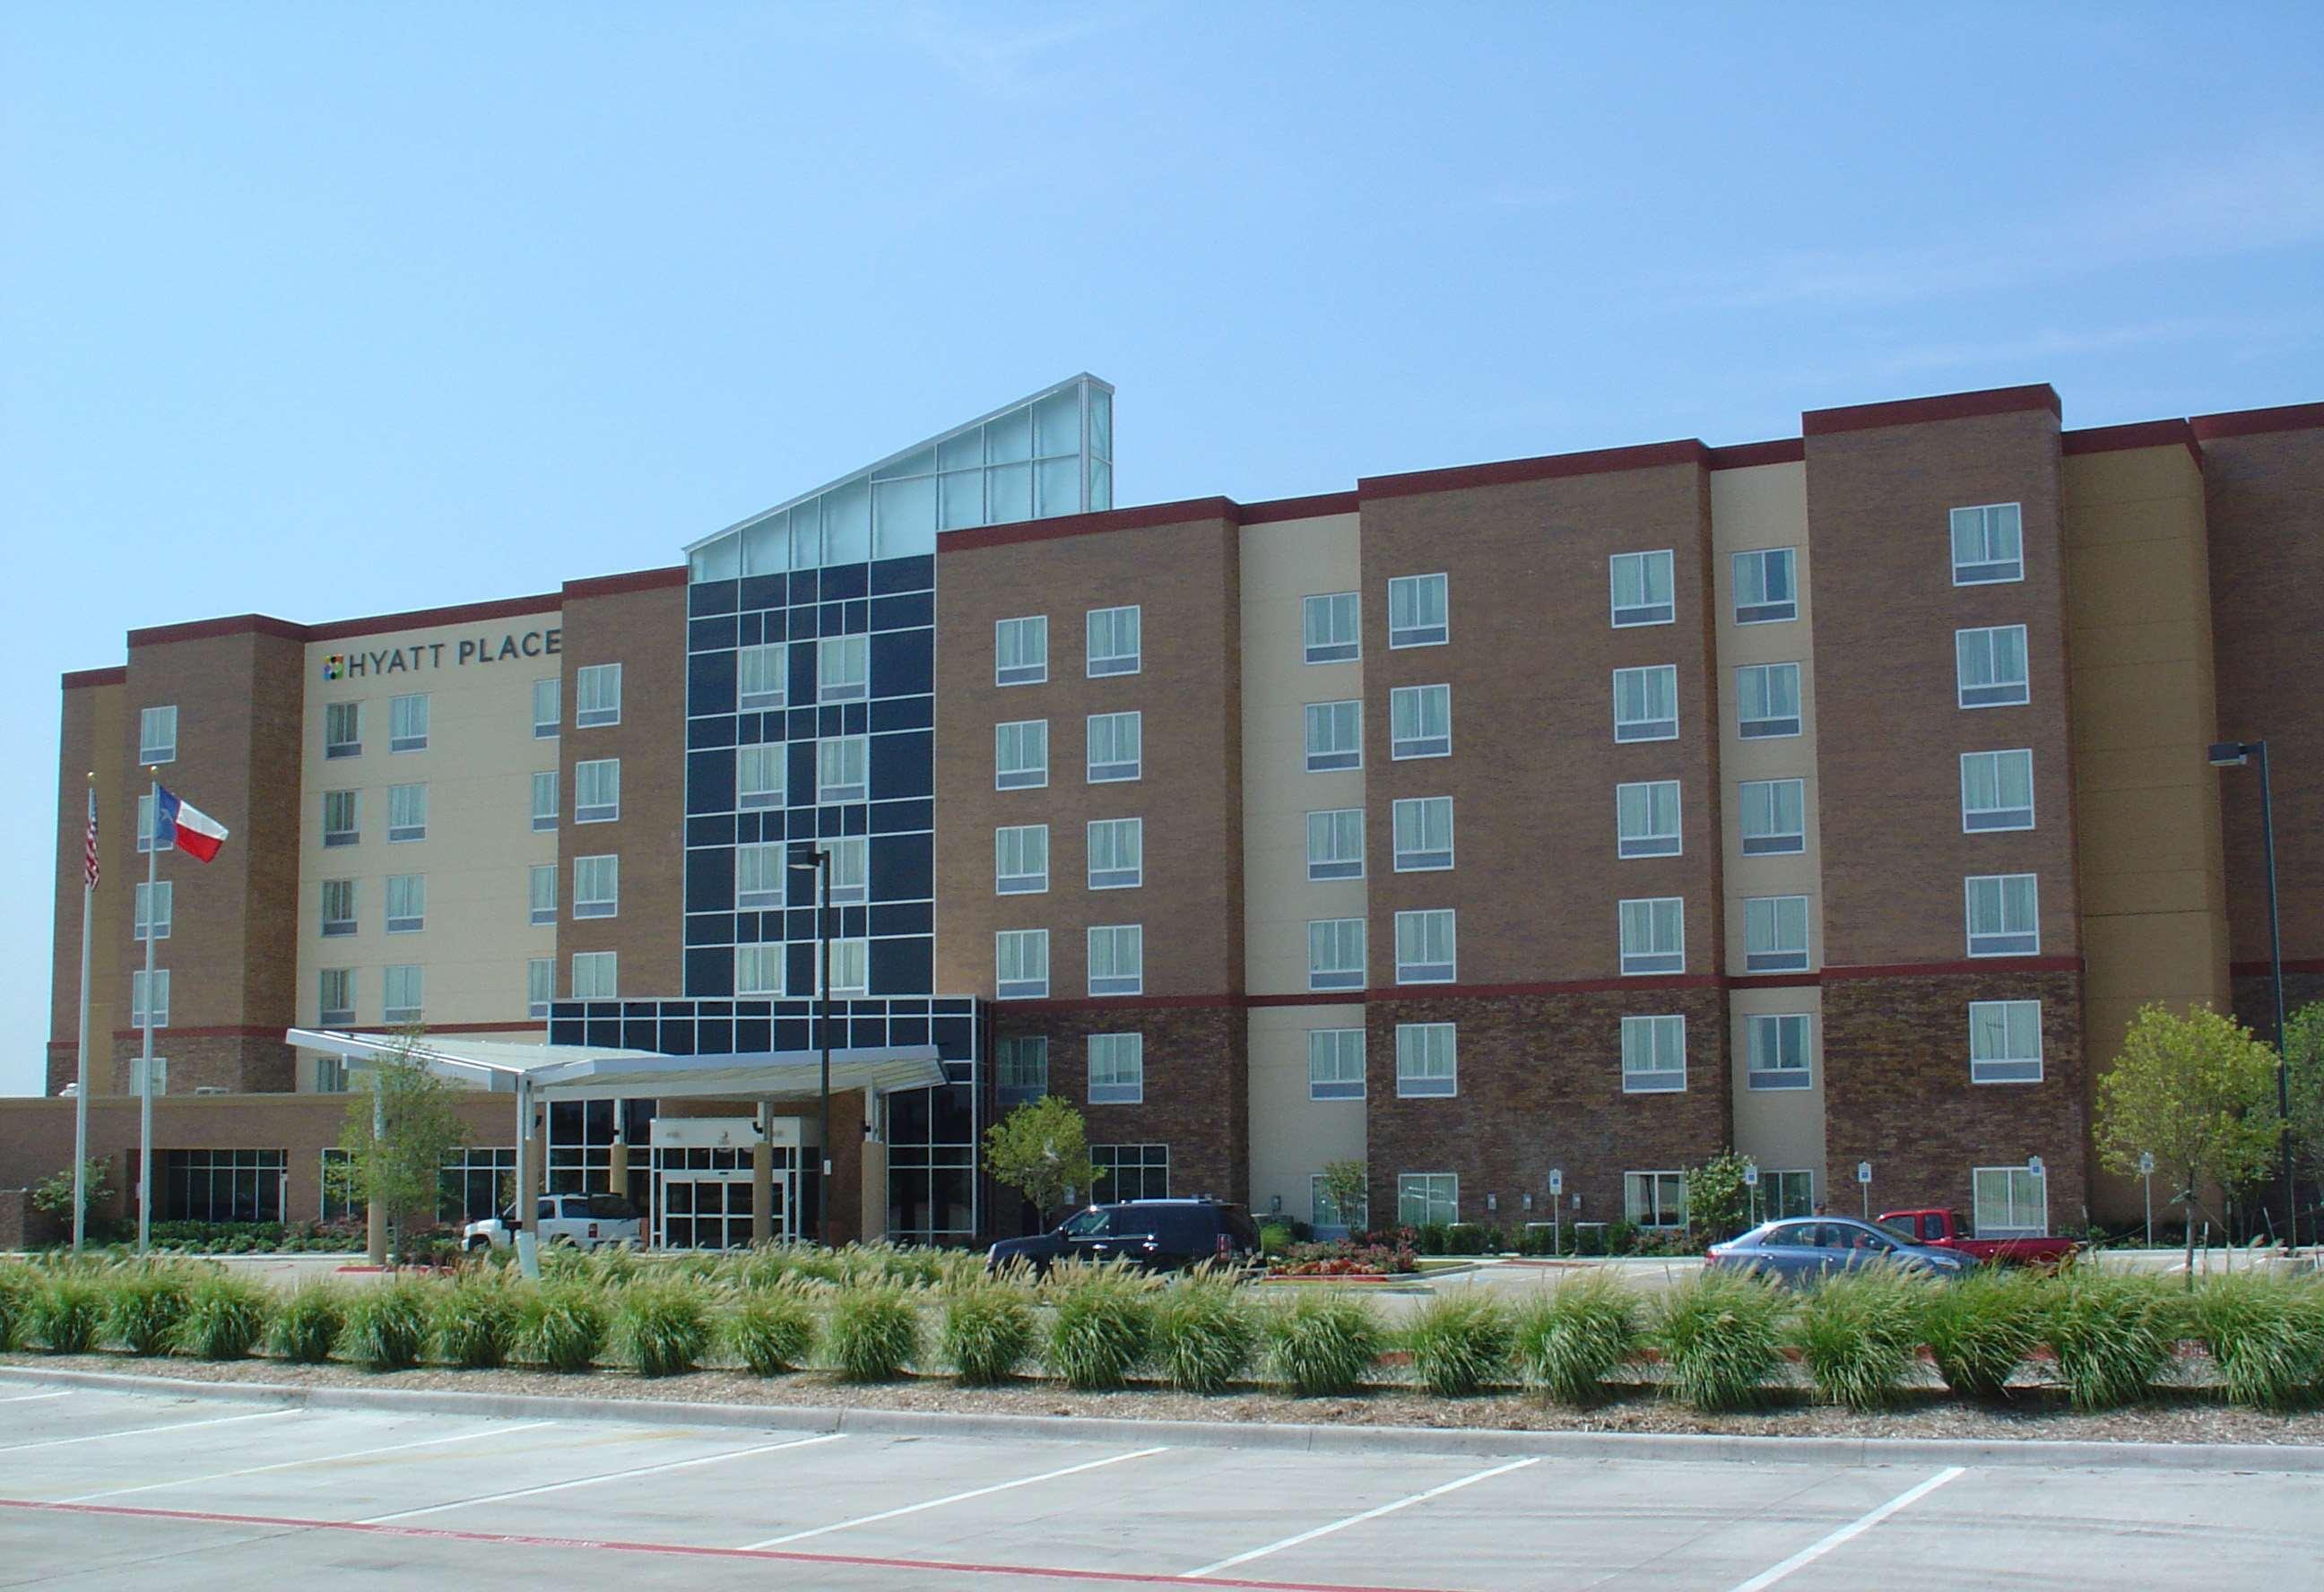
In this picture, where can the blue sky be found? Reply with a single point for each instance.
(326, 310)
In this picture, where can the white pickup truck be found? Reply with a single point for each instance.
(582, 1221)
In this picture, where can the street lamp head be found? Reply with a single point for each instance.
(2229, 754)
(813, 860)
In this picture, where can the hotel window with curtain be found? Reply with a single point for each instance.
(1117, 853)
(342, 729)
(597, 885)
(761, 677)
(1020, 650)
(1115, 645)
(759, 876)
(547, 709)
(407, 724)
(406, 811)
(542, 883)
(598, 791)
(157, 735)
(597, 695)
(1117, 959)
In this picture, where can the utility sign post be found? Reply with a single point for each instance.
(2146, 1176)
(1557, 1210)
(1751, 1184)
(1864, 1185)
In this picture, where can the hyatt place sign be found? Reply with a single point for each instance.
(430, 655)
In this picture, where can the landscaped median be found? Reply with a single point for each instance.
(831, 1326)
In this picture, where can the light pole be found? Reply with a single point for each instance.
(2234, 754)
(819, 862)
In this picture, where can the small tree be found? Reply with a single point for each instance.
(402, 1165)
(1347, 1184)
(54, 1193)
(1718, 1200)
(2196, 1090)
(1041, 1149)
(2303, 1050)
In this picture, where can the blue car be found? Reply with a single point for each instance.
(1799, 1250)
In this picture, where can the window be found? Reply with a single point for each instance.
(850, 860)
(1021, 964)
(1117, 959)
(1325, 1214)
(544, 799)
(1997, 790)
(1991, 665)
(1335, 1063)
(547, 709)
(157, 735)
(1645, 704)
(341, 826)
(342, 729)
(1334, 736)
(1776, 933)
(161, 1074)
(145, 822)
(1020, 650)
(1645, 819)
(407, 724)
(1116, 746)
(1021, 1067)
(1653, 936)
(1336, 844)
(1020, 755)
(2005, 1041)
(2004, 915)
(594, 975)
(541, 887)
(335, 997)
(1420, 721)
(1335, 953)
(1113, 641)
(1020, 859)
(1786, 1193)
(2012, 1203)
(1328, 627)
(842, 668)
(1416, 613)
(761, 676)
(407, 903)
(406, 811)
(150, 913)
(598, 791)
(1131, 1172)
(1775, 814)
(758, 970)
(1423, 947)
(338, 908)
(596, 694)
(1117, 1069)
(401, 989)
(1653, 1056)
(1642, 589)
(843, 768)
(1427, 1059)
(1768, 700)
(1427, 1199)
(1766, 587)
(469, 1183)
(1117, 853)
(597, 885)
(160, 1000)
(761, 870)
(1775, 1051)
(759, 777)
(1989, 544)
(1655, 1199)
(220, 1185)
(1423, 836)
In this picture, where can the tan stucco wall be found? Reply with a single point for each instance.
(1292, 1136)
(1782, 1129)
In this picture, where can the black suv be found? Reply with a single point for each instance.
(1154, 1234)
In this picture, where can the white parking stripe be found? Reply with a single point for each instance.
(1026, 1481)
(99, 1437)
(26, 1398)
(428, 1443)
(558, 1487)
(1854, 1528)
(1341, 1525)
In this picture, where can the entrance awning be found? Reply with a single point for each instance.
(597, 1072)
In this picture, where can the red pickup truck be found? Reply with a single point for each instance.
(1944, 1230)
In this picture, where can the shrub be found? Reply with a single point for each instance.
(309, 1323)
(986, 1333)
(1320, 1345)
(142, 1307)
(1567, 1341)
(871, 1332)
(1102, 1327)
(2266, 1335)
(386, 1325)
(1857, 1334)
(67, 1312)
(662, 1329)
(1460, 1343)
(771, 1330)
(474, 1320)
(1274, 1238)
(1205, 1333)
(16, 1295)
(561, 1326)
(1980, 1329)
(2113, 1334)
(1718, 1332)
(225, 1317)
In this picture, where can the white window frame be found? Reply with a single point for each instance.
(1324, 1214)
(1643, 729)
(407, 723)
(1998, 819)
(1767, 610)
(1335, 1063)
(1119, 1059)
(330, 1016)
(1775, 842)
(1332, 717)
(412, 889)
(345, 921)
(157, 734)
(2016, 1178)
(410, 797)
(1121, 762)
(2004, 940)
(1427, 1199)
(843, 750)
(843, 669)
(596, 695)
(756, 863)
(1420, 859)
(1107, 943)
(547, 708)
(851, 868)
(1648, 1198)
(1651, 1038)
(164, 893)
(606, 774)
(1029, 945)
(544, 799)
(1654, 959)
(1418, 631)
(770, 662)
(1650, 840)
(1103, 840)
(1412, 705)
(413, 1007)
(1335, 953)
(1768, 916)
(1131, 1172)
(1979, 641)
(1341, 628)
(773, 756)
(349, 737)
(1768, 1039)
(1336, 844)
(1020, 859)
(1035, 672)
(541, 905)
(1020, 1067)
(607, 905)
(1028, 774)
(752, 965)
(1770, 725)
(1097, 665)
(851, 968)
(137, 998)
(604, 975)
(1989, 519)
(1427, 1061)
(1647, 611)
(1991, 1018)
(1427, 970)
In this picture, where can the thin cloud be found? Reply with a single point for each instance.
(1006, 63)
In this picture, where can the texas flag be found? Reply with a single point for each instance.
(186, 827)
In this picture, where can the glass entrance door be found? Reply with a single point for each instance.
(704, 1198)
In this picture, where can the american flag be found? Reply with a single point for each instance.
(88, 850)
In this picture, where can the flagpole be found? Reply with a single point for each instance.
(145, 1065)
(80, 1085)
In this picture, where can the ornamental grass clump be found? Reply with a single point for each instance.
(772, 1330)
(662, 1329)
(15, 1302)
(1321, 1345)
(225, 1317)
(1101, 1325)
(1858, 1334)
(561, 1326)
(387, 1325)
(1205, 1333)
(2266, 1336)
(1981, 1330)
(2114, 1335)
(1567, 1341)
(986, 1333)
(67, 1312)
(1720, 1333)
(142, 1307)
(308, 1324)
(871, 1332)
(474, 1320)
(1461, 1343)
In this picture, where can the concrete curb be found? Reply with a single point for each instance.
(1673, 1447)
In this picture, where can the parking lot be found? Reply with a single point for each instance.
(102, 1489)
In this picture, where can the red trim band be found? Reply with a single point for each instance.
(1649, 455)
(616, 585)
(2106, 439)
(2292, 416)
(1920, 411)
(2260, 969)
(81, 679)
(1306, 508)
(1189, 512)
(1981, 964)
(1742, 455)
